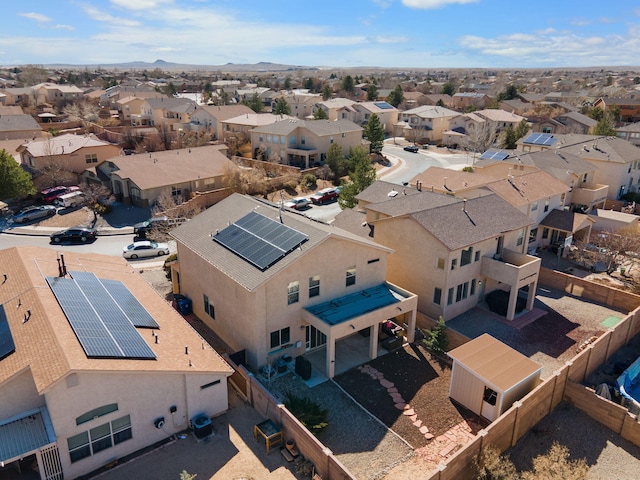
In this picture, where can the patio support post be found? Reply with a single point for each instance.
(331, 356)
(411, 332)
(373, 341)
(513, 297)
(531, 295)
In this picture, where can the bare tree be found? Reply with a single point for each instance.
(166, 135)
(99, 197)
(83, 111)
(610, 249)
(481, 135)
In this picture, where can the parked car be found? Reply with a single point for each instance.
(34, 213)
(145, 249)
(142, 228)
(50, 195)
(325, 195)
(75, 234)
(71, 199)
(411, 148)
(297, 203)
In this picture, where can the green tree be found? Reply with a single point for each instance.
(282, 107)
(396, 96)
(308, 411)
(374, 132)
(14, 181)
(448, 88)
(596, 113)
(327, 92)
(170, 89)
(336, 161)
(348, 84)
(363, 175)
(605, 127)
(254, 104)
(436, 339)
(509, 93)
(508, 138)
(320, 114)
(522, 129)
(372, 92)
(287, 83)
(439, 103)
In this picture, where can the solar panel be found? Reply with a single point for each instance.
(260, 240)
(383, 105)
(494, 155)
(129, 304)
(7, 347)
(99, 324)
(540, 139)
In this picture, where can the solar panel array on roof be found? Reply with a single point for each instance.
(7, 347)
(260, 240)
(383, 105)
(494, 155)
(129, 304)
(100, 325)
(540, 139)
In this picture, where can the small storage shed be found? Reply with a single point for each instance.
(488, 376)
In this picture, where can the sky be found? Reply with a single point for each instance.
(333, 33)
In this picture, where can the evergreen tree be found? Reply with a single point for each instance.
(327, 92)
(372, 92)
(320, 114)
(335, 160)
(348, 84)
(605, 127)
(396, 96)
(254, 104)
(282, 107)
(509, 139)
(287, 83)
(522, 129)
(363, 175)
(439, 103)
(374, 132)
(14, 181)
(448, 88)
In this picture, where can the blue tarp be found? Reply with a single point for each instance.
(629, 382)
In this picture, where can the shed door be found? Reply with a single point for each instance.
(489, 402)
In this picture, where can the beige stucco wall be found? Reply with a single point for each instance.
(246, 319)
(19, 394)
(76, 161)
(615, 175)
(143, 396)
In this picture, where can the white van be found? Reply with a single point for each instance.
(71, 199)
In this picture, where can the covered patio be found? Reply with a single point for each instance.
(361, 311)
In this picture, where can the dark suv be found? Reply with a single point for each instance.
(141, 229)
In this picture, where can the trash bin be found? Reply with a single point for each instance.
(303, 368)
(185, 306)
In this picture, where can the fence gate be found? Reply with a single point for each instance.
(49, 463)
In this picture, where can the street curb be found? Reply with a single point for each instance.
(47, 231)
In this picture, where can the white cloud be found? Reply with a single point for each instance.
(61, 26)
(38, 17)
(430, 4)
(101, 16)
(390, 39)
(141, 4)
(580, 22)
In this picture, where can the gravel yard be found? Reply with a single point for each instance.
(608, 455)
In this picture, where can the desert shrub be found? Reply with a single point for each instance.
(101, 209)
(167, 269)
(468, 169)
(309, 181)
(290, 186)
(436, 338)
(309, 412)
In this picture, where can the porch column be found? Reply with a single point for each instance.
(306, 161)
(373, 341)
(331, 357)
(531, 294)
(411, 329)
(513, 297)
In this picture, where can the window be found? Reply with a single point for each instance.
(99, 438)
(260, 138)
(351, 276)
(441, 263)
(331, 140)
(293, 292)
(268, 138)
(459, 293)
(208, 307)
(545, 233)
(135, 193)
(437, 295)
(314, 286)
(175, 191)
(467, 255)
(375, 260)
(302, 140)
(473, 287)
(547, 130)
(534, 206)
(520, 237)
(477, 258)
(490, 396)
(91, 158)
(280, 337)
(292, 140)
(450, 296)
(454, 264)
(465, 290)
(546, 205)
(96, 412)
(210, 384)
(533, 234)
(584, 178)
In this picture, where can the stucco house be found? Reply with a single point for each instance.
(259, 276)
(164, 111)
(451, 252)
(243, 123)
(336, 108)
(427, 123)
(305, 143)
(211, 117)
(53, 93)
(72, 402)
(628, 108)
(387, 114)
(19, 126)
(301, 103)
(462, 100)
(73, 153)
(630, 132)
(141, 179)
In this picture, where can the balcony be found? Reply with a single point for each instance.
(589, 194)
(512, 268)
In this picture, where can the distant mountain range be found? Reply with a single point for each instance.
(169, 66)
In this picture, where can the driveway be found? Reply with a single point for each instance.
(232, 453)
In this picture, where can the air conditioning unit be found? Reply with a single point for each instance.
(159, 422)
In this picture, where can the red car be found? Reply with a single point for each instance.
(50, 195)
(325, 195)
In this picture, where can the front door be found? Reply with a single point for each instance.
(489, 400)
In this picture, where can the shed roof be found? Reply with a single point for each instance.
(494, 362)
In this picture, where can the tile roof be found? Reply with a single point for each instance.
(556, 163)
(599, 148)
(171, 167)
(497, 115)
(196, 236)
(319, 127)
(520, 190)
(337, 103)
(251, 119)
(15, 123)
(450, 180)
(224, 112)
(431, 111)
(577, 117)
(171, 103)
(46, 344)
(566, 220)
